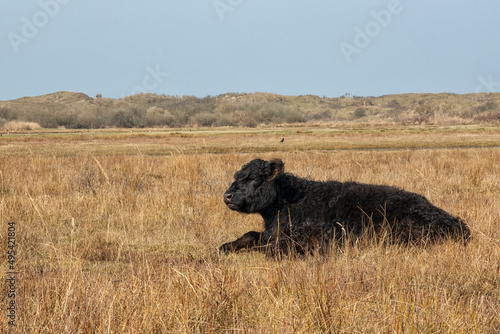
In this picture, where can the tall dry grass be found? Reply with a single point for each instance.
(19, 126)
(124, 244)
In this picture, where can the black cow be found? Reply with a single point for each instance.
(301, 215)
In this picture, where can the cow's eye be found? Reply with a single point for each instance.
(250, 178)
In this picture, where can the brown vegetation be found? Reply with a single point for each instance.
(79, 111)
(19, 126)
(111, 239)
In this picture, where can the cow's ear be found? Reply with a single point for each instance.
(277, 168)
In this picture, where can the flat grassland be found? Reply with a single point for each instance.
(116, 232)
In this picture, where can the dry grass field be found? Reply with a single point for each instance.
(116, 233)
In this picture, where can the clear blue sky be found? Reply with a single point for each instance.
(192, 47)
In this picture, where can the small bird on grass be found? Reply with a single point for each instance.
(282, 140)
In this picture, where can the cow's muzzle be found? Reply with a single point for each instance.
(228, 197)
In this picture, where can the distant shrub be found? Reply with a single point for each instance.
(204, 119)
(133, 118)
(224, 108)
(394, 113)
(325, 115)
(7, 114)
(157, 117)
(88, 119)
(423, 109)
(490, 116)
(490, 105)
(246, 119)
(359, 112)
(294, 117)
(20, 126)
(275, 113)
(393, 104)
(227, 120)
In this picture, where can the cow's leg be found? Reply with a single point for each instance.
(248, 240)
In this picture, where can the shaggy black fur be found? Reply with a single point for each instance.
(301, 215)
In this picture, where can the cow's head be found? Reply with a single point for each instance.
(253, 188)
